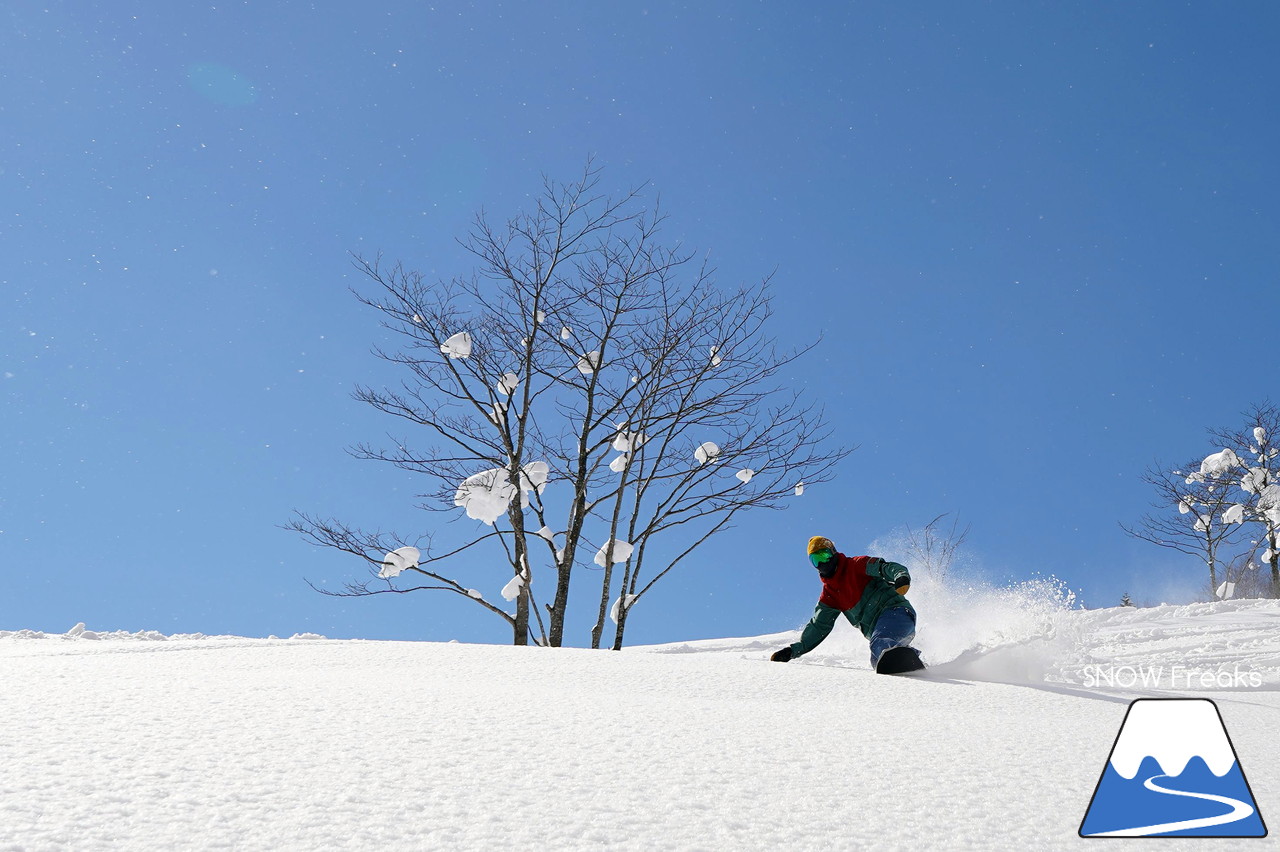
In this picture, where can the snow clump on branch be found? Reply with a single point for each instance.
(1256, 480)
(1269, 502)
(706, 452)
(1216, 465)
(621, 552)
(399, 560)
(458, 346)
(628, 442)
(511, 590)
(508, 383)
(487, 495)
(618, 605)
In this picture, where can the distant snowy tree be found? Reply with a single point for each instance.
(1210, 505)
(591, 396)
(1250, 462)
(1189, 514)
(1126, 600)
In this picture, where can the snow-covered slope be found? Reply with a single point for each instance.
(139, 741)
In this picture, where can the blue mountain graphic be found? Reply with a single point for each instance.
(1121, 804)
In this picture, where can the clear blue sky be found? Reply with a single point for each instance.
(1039, 238)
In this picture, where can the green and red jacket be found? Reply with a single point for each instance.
(862, 588)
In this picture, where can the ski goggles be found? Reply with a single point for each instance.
(820, 557)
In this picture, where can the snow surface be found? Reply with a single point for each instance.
(115, 740)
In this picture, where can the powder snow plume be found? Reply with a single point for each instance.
(1022, 632)
(971, 628)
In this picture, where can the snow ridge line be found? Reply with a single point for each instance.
(79, 632)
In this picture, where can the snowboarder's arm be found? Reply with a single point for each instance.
(818, 628)
(891, 572)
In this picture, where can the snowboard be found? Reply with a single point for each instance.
(900, 660)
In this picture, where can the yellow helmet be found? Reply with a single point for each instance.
(819, 542)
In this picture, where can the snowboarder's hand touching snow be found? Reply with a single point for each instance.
(782, 656)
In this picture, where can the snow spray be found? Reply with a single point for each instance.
(1020, 632)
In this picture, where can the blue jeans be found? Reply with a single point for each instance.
(896, 626)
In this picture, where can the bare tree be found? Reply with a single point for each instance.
(933, 548)
(591, 395)
(1189, 516)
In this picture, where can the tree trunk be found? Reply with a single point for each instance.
(564, 571)
(1275, 566)
(622, 625)
(1210, 548)
(577, 517)
(556, 609)
(598, 630)
(520, 559)
(521, 626)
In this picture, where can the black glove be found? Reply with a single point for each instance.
(783, 656)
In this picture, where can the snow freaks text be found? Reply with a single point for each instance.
(1169, 677)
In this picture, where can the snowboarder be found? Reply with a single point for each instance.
(869, 591)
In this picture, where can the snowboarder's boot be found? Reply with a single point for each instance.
(900, 660)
